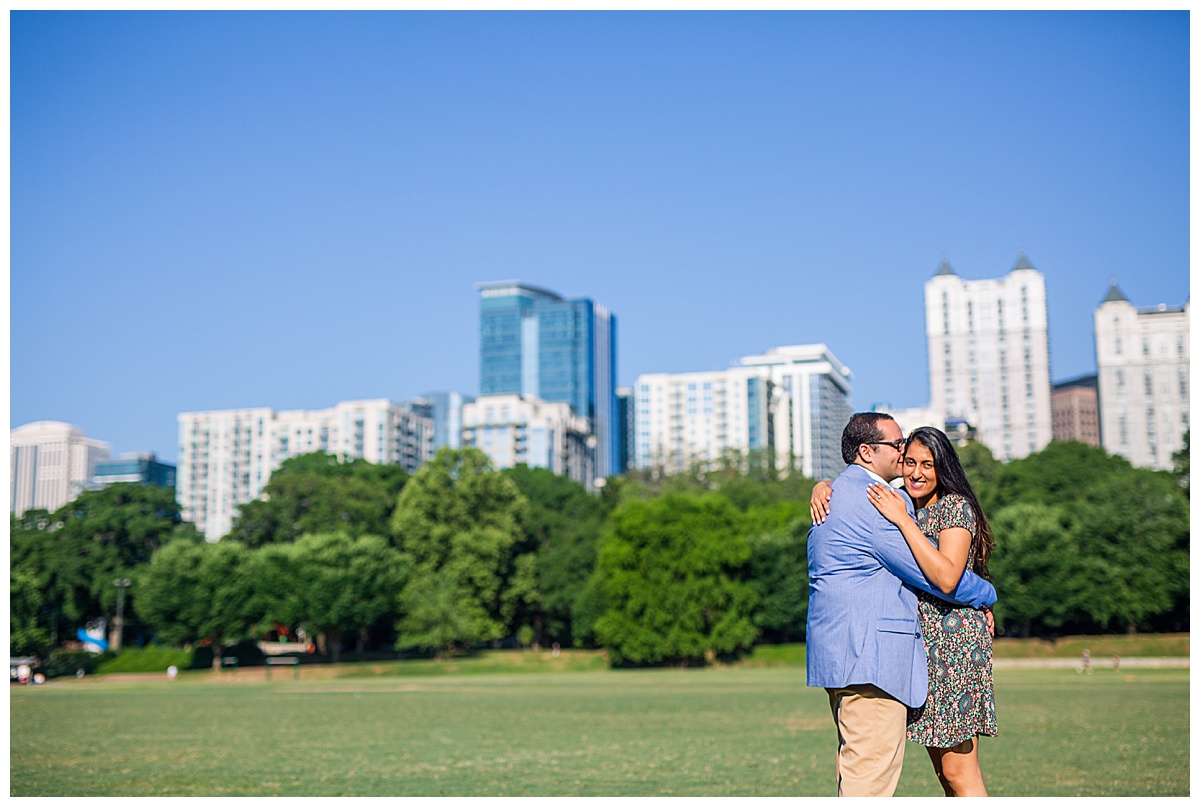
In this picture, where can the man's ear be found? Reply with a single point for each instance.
(864, 453)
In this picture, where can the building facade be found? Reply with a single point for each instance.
(989, 356)
(685, 419)
(538, 344)
(50, 463)
(789, 404)
(914, 417)
(445, 409)
(227, 456)
(810, 407)
(516, 429)
(1076, 409)
(1144, 383)
(626, 429)
(139, 469)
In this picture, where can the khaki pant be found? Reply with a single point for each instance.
(870, 725)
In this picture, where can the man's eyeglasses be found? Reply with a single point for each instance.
(896, 444)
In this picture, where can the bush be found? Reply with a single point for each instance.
(152, 658)
(66, 662)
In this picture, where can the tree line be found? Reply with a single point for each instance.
(679, 569)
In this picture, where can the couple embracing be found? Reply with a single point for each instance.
(885, 582)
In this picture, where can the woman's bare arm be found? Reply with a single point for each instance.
(942, 564)
(818, 505)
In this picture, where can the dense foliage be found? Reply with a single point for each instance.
(656, 569)
(318, 493)
(62, 565)
(1086, 542)
(672, 573)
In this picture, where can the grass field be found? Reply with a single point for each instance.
(748, 731)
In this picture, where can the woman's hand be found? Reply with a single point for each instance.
(818, 505)
(889, 502)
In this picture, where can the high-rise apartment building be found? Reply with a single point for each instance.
(791, 404)
(989, 356)
(50, 463)
(1076, 411)
(516, 429)
(813, 407)
(535, 343)
(1143, 367)
(227, 456)
(684, 419)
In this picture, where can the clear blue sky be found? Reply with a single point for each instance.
(218, 210)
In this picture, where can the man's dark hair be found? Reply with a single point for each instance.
(862, 428)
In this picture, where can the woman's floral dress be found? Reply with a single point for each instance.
(960, 704)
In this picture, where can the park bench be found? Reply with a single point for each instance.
(283, 661)
(230, 662)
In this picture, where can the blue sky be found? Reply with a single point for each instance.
(214, 210)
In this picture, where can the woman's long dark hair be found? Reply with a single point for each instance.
(951, 478)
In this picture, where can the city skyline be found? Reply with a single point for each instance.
(287, 210)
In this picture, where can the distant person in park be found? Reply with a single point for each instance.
(863, 641)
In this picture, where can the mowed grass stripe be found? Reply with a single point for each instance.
(723, 732)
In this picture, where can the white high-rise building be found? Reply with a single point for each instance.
(790, 403)
(810, 407)
(227, 456)
(989, 356)
(51, 463)
(687, 418)
(1143, 367)
(515, 429)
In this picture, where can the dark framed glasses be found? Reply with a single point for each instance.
(896, 444)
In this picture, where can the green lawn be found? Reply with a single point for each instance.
(716, 732)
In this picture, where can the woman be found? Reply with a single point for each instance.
(950, 534)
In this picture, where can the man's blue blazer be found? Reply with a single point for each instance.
(862, 610)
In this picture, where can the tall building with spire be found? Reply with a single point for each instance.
(1143, 367)
(534, 342)
(989, 356)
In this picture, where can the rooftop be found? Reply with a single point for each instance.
(509, 288)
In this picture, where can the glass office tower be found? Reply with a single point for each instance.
(535, 342)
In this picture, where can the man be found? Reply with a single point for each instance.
(864, 639)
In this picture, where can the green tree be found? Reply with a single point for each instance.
(1109, 548)
(460, 520)
(1181, 460)
(343, 585)
(77, 552)
(441, 615)
(57, 564)
(672, 570)
(26, 633)
(778, 573)
(1134, 531)
(276, 596)
(1058, 473)
(318, 493)
(199, 592)
(564, 528)
(1037, 568)
(982, 469)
